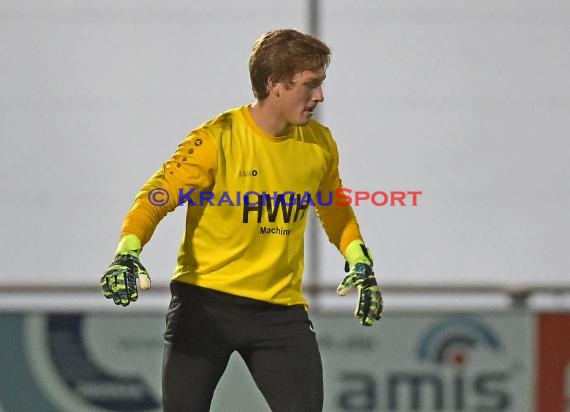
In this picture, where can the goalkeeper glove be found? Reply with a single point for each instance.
(119, 282)
(361, 277)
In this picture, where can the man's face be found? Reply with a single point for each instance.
(299, 98)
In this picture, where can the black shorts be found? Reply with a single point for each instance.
(278, 344)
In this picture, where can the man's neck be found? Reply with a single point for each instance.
(269, 119)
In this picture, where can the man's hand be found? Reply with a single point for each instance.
(370, 304)
(119, 282)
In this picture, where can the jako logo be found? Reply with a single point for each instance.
(248, 172)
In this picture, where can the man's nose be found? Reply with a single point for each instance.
(319, 96)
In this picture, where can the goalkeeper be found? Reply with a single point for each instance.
(237, 284)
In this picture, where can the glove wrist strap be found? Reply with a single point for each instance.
(357, 252)
(129, 245)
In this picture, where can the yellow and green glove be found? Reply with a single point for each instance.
(361, 276)
(119, 282)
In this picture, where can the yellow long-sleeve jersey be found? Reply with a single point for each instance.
(248, 196)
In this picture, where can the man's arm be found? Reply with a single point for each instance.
(342, 229)
(340, 224)
(193, 165)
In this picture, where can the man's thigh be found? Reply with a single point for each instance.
(190, 379)
(285, 363)
(195, 353)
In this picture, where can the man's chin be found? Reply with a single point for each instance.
(304, 119)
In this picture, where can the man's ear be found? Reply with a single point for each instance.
(274, 87)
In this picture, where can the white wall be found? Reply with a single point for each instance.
(467, 101)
